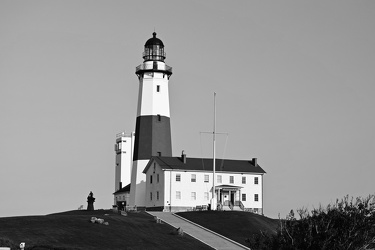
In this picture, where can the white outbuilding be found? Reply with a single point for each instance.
(181, 183)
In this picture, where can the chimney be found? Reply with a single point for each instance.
(183, 157)
(255, 162)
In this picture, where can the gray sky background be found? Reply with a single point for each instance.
(294, 82)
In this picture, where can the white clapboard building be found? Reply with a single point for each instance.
(182, 183)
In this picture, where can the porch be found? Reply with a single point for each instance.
(229, 198)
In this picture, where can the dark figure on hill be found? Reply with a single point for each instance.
(90, 202)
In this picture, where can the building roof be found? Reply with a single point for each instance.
(204, 164)
(123, 190)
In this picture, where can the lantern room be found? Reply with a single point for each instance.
(154, 49)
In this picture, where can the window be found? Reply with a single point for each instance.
(157, 195)
(159, 118)
(231, 179)
(206, 196)
(157, 88)
(178, 195)
(178, 177)
(243, 179)
(206, 178)
(256, 181)
(150, 196)
(157, 178)
(159, 153)
(219, 179)
(193, 196)
(243, 197)
(151, 179)
(193, 178)
(256, 197)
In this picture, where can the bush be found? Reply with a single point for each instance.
(346, 224)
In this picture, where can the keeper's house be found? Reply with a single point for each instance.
(181, 183)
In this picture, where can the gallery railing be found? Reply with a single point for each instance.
(154, 66)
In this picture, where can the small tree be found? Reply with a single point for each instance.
(346, 224)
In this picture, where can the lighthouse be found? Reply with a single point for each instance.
(153, 129)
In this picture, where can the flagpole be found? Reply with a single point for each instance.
(213, 203)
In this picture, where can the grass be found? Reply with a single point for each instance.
(234, 225)
(73, 230)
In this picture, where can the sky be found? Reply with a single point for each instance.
(294, 82)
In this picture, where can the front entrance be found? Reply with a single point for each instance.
(232, 197)
(228, 195)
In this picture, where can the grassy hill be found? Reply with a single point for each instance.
(73, 230)
(234, 225)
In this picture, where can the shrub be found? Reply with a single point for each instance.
(346, 224)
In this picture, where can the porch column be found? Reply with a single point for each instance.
(230, 197)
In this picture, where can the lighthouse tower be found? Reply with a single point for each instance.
(153, 130)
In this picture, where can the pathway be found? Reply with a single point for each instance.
(208, 237)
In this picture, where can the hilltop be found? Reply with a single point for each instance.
(73, 230)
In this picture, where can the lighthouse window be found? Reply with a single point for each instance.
(157, 88)
(159, 118)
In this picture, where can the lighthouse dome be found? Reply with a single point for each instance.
(154, 41)
(154, 49)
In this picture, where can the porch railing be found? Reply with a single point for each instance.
(219, 206)
(241, 205)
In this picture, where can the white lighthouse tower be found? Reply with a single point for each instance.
(153, 130)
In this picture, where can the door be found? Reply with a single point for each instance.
(232, 197)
